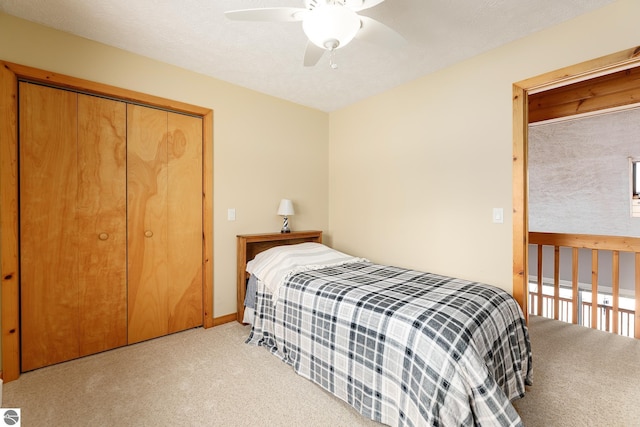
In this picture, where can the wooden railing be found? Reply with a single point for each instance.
(615, 245)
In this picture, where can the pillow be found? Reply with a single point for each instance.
(275, 265)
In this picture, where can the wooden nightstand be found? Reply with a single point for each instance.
(249, 245)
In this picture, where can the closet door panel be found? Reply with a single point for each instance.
(101, 210)
(48, 230)
(184, 222)
(147, 222)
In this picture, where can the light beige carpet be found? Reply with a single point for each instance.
(194, 378)
(211, 378)
(581, 377)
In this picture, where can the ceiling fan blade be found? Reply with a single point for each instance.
(359, 5)
(269, 14)
(312, 54)
(373, 31)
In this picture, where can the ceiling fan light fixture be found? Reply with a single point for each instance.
(331, 44)
(331, 26)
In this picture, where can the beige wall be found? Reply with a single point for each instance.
(408, 177)
(265, 149)
(416, 171)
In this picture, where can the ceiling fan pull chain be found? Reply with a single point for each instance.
(332, 64)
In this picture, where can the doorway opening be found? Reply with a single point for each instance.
(546, 97)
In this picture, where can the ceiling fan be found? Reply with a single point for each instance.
(329, 25)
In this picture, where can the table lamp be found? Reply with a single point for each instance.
(285, 209)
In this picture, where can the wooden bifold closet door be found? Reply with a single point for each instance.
(110, 224)
(165, 222)
(72, 225)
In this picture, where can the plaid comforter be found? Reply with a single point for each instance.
(402, 347)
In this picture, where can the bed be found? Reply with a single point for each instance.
(402, 347)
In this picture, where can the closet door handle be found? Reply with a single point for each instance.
(103, 236)
(148, 233)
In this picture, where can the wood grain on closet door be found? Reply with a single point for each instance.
(184, 231)
(102, 215)
(147, 222)
(48, 229)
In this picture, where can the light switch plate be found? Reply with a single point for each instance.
(231, 214)
(498, 215)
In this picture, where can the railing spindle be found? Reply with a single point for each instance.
(556, 282)
(540, 280)
(594, 288)
(615, 288)
(637, 297)
(574, 285)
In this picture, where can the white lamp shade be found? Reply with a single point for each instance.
(286, 207)
(331, 26)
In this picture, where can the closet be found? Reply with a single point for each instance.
(111, 223)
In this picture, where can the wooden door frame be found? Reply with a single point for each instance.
(625, 59)
(10, 74)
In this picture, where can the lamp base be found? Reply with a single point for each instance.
(285, 225)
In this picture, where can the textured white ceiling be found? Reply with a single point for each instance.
(267, 56)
